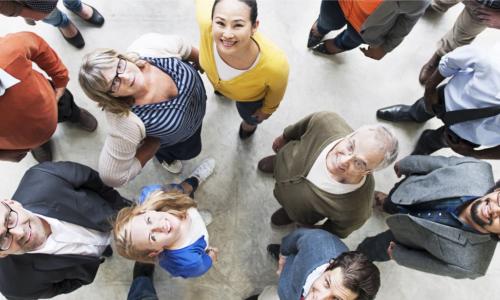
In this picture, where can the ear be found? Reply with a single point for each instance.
(2, 255)
(155, 253)
(255, 26)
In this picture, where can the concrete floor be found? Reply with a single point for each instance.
(239, 197)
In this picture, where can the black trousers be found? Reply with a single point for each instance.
(67, 110)
(188, 149)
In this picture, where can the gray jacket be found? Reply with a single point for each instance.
(432, 247)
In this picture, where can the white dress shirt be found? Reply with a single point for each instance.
(6, 81)
(475, 83)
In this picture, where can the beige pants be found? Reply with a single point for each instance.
(270, 292)
(465, 29)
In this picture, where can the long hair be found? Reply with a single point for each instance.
(175, 203)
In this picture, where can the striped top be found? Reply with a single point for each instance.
(177, 119)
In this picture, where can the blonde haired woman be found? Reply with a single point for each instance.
(167, 227)
(154, 105)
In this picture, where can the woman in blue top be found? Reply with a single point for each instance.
(166, 227)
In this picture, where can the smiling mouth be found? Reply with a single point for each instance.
(228, 44)
(486, 211)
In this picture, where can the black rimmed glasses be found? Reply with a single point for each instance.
(10, 222)
(120, 69)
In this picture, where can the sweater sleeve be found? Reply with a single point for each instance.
(276, 87)
(204, 12)
(37, 50)
(295, 131)
(117, 163)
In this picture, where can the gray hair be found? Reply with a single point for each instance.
(389, 145)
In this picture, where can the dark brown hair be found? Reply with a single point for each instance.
(250, 3)
(360, 275)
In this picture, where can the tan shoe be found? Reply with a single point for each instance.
(429, 68)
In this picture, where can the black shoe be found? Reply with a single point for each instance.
(266, 164)
(280, 218)
(274, 251)
(395, 113)
(96, 19)
(142, 269)
(43, 153)
(253, 297)
(87, 121)
(246, 134)
(428, 143)
(108, 252)
(76, 41)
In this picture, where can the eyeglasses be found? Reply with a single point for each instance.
(358, 164)
(120, 69)
(10, 222)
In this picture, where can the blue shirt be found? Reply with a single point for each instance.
(176, 120)
(474, 83)
(445, 211)
(190, 261)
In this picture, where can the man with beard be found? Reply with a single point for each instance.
(445, 217)
(54, 235)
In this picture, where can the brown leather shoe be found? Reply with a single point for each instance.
(280, 218)
(429, 68)
(43, 152)
(87, 121)
(266, 164)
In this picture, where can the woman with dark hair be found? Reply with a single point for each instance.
(241, 64)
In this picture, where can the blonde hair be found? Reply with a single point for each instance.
(175, 203)
(96, 87)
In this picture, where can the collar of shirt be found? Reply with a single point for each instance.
(6, 81)
(315, 274)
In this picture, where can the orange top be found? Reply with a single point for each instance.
(28, 109)
(357, 11)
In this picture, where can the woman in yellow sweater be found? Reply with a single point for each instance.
(240, 63)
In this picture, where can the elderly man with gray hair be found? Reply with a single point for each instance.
(323, 171)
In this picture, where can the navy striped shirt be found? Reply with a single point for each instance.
(177, 119)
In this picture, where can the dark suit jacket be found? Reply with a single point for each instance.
(306, 249)
(68, 192)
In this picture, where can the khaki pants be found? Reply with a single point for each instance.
(465, 29)
(270, 292)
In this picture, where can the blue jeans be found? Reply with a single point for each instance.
(247, 109)
(188, 149)
(59, 19)
(142, 288)
(331, 18)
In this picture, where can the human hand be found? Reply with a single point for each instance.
(59, 93)
(212, 252)
(260, 116)
(459, 146)
(278, 143)
(281, 264)
(373, 52)
(390, 249)
(431, 98)
(489, 17)
(13, 155)
(396, 169)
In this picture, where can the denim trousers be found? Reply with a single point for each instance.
(185, 150)
(331, 18)
(59, 19)
(247, 109)
(142, 288)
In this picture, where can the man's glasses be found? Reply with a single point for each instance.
(120, 69)
(10, 222)
(359, 164)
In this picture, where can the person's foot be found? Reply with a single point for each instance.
(204, 170)
(72, 35)
(142, 269)
(274, 251)
(426, 144)
(43, 152)
(395, 113)
(246, 130)
(314, 36)
(280, 218)
(266, 164)
(379, 199)
(87, 121)
(429, 68)
(91, 15)
(174, 167)
(327, 47)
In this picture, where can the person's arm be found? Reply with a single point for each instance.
(147, 150)
(423, 261)
(410, 14)
(36, 49)
(295, 131)
(489, 17)
(431, 95)
(13, 155)
(276, 87)
(340, 230)
(424, 164)
(203, 11)
(290, 243)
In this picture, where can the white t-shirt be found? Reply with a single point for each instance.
(6, 81)
(226, 72)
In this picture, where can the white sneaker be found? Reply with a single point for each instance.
(175, 167)
(206, 216)
(205, 169)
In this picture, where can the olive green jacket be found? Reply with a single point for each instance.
(302, 200)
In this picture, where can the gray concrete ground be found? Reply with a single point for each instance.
(240, 197)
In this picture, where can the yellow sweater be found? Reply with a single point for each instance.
(266, 80)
